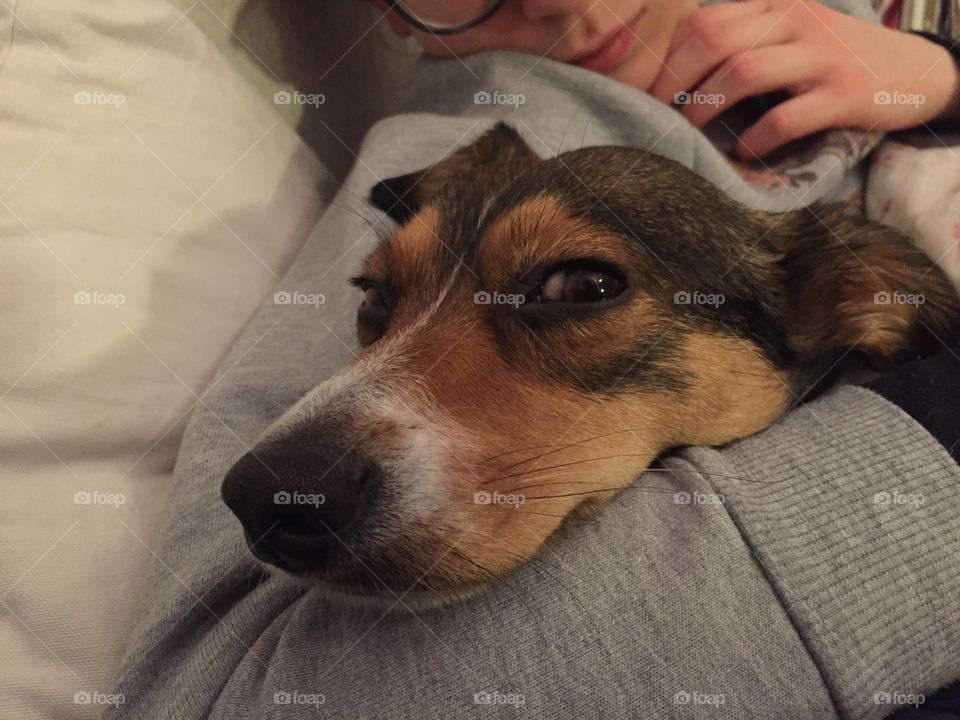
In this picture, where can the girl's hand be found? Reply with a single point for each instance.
(839, 71)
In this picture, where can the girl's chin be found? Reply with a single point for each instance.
(639, 72)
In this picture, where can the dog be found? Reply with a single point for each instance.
(535, 333)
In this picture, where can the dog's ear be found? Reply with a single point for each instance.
(852, 283)
(401, 197)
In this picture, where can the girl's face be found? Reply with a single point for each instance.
(624, 39)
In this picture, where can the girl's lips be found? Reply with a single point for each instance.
(610, 51)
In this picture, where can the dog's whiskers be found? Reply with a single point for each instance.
(487, 573)
(578, 494)
(555, 515)
(539, 562)
(556, 448)
(574, 462)
(375, 224)
(671, 471)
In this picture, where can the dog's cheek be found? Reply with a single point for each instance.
(734, 390)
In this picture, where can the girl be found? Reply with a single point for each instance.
(838, 71)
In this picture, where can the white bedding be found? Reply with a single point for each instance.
(150, 195)
(149, 198)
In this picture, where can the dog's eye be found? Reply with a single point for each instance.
(577, 285)
(372, 298)
(373, 315)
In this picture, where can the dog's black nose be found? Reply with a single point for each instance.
(299, 499)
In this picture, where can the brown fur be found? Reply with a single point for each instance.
(538, 432)
(565, 411)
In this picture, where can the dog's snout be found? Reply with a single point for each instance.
(300, 499)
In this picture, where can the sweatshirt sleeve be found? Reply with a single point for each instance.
(851, 507)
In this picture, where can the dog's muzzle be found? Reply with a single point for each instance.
(301, 501)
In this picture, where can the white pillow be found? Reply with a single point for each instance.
(148, 202)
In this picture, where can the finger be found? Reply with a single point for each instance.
(691, 63)
(693, 23)
(757, 71)
(790, 120)
(712, 14)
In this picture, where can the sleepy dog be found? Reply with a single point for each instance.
(535, 333)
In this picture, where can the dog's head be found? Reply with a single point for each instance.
(535, 333)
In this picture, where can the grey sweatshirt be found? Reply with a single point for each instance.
(793, 594)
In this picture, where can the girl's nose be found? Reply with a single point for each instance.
(540, 9)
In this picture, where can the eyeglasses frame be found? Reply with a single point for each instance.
(395, 6)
